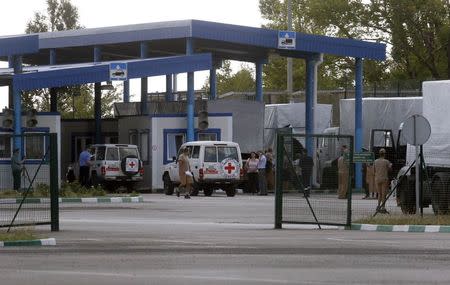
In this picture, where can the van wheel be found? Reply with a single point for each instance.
(208, 190)
(111, 187)
(131, 187)
(168, 185)
(230, 190)
(438, 193)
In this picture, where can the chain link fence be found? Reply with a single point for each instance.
(29, 180)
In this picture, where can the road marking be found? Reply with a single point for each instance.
(363, 240)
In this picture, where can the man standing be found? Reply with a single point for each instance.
(84, 162)
(183, 168)
(306, 164)
(262, 174)
(381, 169)
(343, 173)
(16, 167)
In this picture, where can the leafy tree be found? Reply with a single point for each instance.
(241, 81)
(73, 101)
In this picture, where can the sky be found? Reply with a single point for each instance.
(105, 13)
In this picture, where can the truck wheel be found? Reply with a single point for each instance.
(208, 190)
(230, 190)
(438, 193)
(407, 196)
(168, 185)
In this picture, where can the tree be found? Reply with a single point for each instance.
(415, 31)
(73, 101)
(241, 81)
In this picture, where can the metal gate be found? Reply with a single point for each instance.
(313, 179)
(36, 200)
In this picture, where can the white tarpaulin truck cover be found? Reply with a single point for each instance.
(378, 113)
(436, 109)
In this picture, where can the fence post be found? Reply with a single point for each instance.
(54, 191)
(349, 184)
(279, 182)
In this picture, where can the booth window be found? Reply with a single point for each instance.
(207, 137)
(34, 147)
(134, 137)
(5, 146)
(143, 146)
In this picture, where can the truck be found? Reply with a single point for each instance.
(436, 153)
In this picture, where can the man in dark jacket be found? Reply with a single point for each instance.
(306, 164)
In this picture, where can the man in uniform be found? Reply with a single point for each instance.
(183, 167)
(382, 167)
(343, 173)
(16, 167)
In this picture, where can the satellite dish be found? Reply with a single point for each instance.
(416, 130)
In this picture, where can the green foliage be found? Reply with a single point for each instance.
(74, 189)
(18, 234)
(416, 33)
(241, 81)
(75, 102)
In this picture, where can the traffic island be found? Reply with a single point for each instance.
(401, 228)
(34, 242)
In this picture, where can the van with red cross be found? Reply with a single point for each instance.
(214, 165)
(115, 165)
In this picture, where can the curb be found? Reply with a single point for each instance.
(100, 200)
(400, 228)
(34, 242)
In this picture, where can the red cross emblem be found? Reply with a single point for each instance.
(131, 164)
(229, 168)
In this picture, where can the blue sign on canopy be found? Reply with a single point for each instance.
(118, 71)
(286, 40)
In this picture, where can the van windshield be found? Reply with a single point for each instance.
(126, 151)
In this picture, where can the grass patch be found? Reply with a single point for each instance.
(405, 220)
(18, 234)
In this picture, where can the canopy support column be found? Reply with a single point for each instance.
(10, 87)
(312, 64)
(17, 105)
(126, 91)
(53, 93)
(144, 81)
(259, 81)
(190, 94)
(358, 118)
(98, 100)
(169, 93)
(212, 83)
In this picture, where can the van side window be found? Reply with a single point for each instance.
(210, 154)
(227, 152)
(112, 153)
(100, 154)
(196, 152)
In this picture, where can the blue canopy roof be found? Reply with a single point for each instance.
(58, 76)
(224, 41)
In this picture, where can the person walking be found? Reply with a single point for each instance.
(306, 164)
(184, 170)
(270, 176)
(16, 167)
(251, 166)
(382, 166)
(370, 181)
(262, 174)
(85, 162)
(343, 173)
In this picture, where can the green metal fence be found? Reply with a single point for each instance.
(315, 186)
(35, 202)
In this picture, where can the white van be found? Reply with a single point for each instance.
(215, 164)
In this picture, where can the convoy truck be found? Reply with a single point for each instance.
(436, 151)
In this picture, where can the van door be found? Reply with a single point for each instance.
(211, 168)
(112, 164)
(229, 158)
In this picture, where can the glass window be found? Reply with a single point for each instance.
(126, 151)
(112, 153)
(5, 146)
(207, 136)
(210, 154)
(34, 147)
(143, 146)
(134, 137)
(100, 153)
(174, 142)
(196, 152)
(227, 152)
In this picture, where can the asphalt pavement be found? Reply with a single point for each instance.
(218, 240)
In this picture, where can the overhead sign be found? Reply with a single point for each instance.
(118, 71)
(363, 157)
(286, 40)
